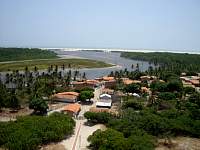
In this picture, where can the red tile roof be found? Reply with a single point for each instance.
(108, 78)
(72, 107)
(66, 95)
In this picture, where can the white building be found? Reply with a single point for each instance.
(104, 101)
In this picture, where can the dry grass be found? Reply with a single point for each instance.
(53, 147)
(179, 143)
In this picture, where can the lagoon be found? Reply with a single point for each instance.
(108, 57)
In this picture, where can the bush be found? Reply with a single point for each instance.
(132, 88)
(101, 117)
(28, 132)
(114, 140)
(158, 86)
(107, 140)
(189, 90)
(84, 95)
(39, 105)
(131, 103)
(166, 96)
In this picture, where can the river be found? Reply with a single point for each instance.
(108, 57)
(114, 58)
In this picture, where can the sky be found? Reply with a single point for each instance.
(131, 24)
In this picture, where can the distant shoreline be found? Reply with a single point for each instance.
(122, 50)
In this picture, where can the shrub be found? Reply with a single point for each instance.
(101, 117)
(131, 103)
(166, 96)
(39, 105)
(28, 132)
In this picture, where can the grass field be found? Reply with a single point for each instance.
(44, 64)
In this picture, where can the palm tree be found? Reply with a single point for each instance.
(84, 75)
(137, 67)
(7, 78)
(69, 65)
(76, 72)
(132, 66)
(63, 67)
(56, 68)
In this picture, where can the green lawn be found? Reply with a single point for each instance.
(44, 64)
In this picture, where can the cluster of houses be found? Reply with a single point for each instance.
(190, 81)
(104, 101)
(106, 82)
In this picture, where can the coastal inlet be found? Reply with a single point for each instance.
(108, 57)
(119, 63)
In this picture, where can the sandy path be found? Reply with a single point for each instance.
(78, 141)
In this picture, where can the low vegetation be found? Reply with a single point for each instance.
(14, 54)
(175, 62)
(167, 113)
(27, 133)
(60, 63)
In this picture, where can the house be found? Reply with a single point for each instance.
(78, 84)
(187, 84)
(195, 82)
(145, 78)
(190, 80)
(109, 82)
(72, 109)
(105, 101)
(70, 97)
(92, 83)
(86, 83)
(105, 96)
(127, 81)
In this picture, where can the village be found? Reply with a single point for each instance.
(105, 99)
(105, 94)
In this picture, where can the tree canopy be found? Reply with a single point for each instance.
(84, 95)
(28, 132)
(39, 105)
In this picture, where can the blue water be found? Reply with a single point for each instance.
(108, 57)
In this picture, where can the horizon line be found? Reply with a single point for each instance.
(145, 50)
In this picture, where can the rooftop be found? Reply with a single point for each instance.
(72, 107)
(66, 95)
(108, 78)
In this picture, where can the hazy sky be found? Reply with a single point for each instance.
(153, 24)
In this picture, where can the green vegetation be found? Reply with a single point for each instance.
(39, 105)
(60, 63)
(166, 113)
(102, 117)
(27, 133)
(115, 140)
(84, 95)
(8, 98)
(132, 88)
(14, 54)
(174, 62)
(148, 123)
